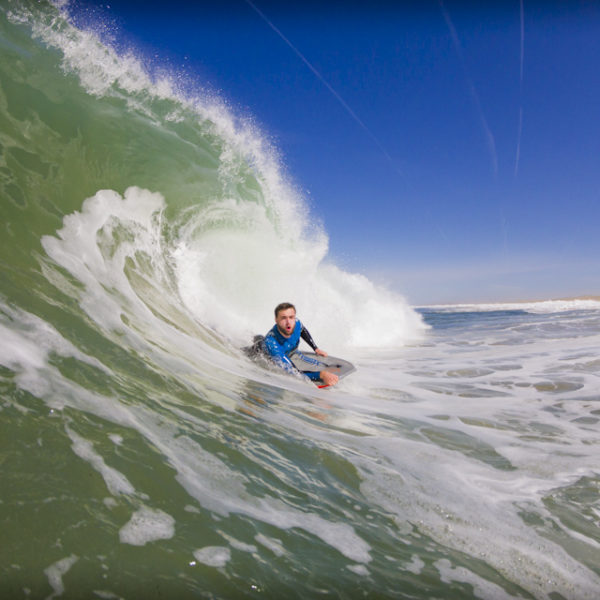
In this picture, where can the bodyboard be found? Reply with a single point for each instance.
(309, 361)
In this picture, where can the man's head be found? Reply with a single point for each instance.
(285, 318)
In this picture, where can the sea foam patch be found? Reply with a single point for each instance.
(55, 573)
(481, 587)
(88, 247)
(213, 556)
(115, 481)
(275, 546)
(147, 525)
(26, 341)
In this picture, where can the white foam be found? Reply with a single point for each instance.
(220, 489)
(147, 525)
(110, 502)
(16, 350)
(243, 547)
(459, 502)
(481, 587)
(203, 475)
(77, 250)
(26, 341)
(213, 556)
(98, 245)
(27, 344)
(541, 307)
(415, 565)
(115, 481)
(107, 595)
(456, 500)
(55, 574)
(275, 546)
(232, 279)
(359, 570)
(340, 536)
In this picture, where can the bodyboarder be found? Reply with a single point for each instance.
(282, 341)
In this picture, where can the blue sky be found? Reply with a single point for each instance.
(450, 149)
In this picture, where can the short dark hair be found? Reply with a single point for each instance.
(283, 306)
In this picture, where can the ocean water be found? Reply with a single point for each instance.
(145, 238)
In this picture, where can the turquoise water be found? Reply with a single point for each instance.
(145, 239)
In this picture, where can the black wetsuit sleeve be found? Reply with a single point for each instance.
(308, 338)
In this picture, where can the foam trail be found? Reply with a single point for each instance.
(491, 143)
(320, 77)
(55, 574)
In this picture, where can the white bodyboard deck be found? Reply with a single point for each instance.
(309, 361)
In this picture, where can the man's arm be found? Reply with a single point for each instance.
(305, 335)
(325, 376)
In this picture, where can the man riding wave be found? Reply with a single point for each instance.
(282, 341)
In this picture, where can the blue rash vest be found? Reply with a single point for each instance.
(281, 348)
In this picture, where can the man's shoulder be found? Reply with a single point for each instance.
(272, 333)
(273, 337)
(273, 343)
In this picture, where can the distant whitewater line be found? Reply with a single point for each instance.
(541, 306)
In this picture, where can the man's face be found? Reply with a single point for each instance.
(286, 321)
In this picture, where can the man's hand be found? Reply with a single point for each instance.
(320, 352)
(328, 378)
